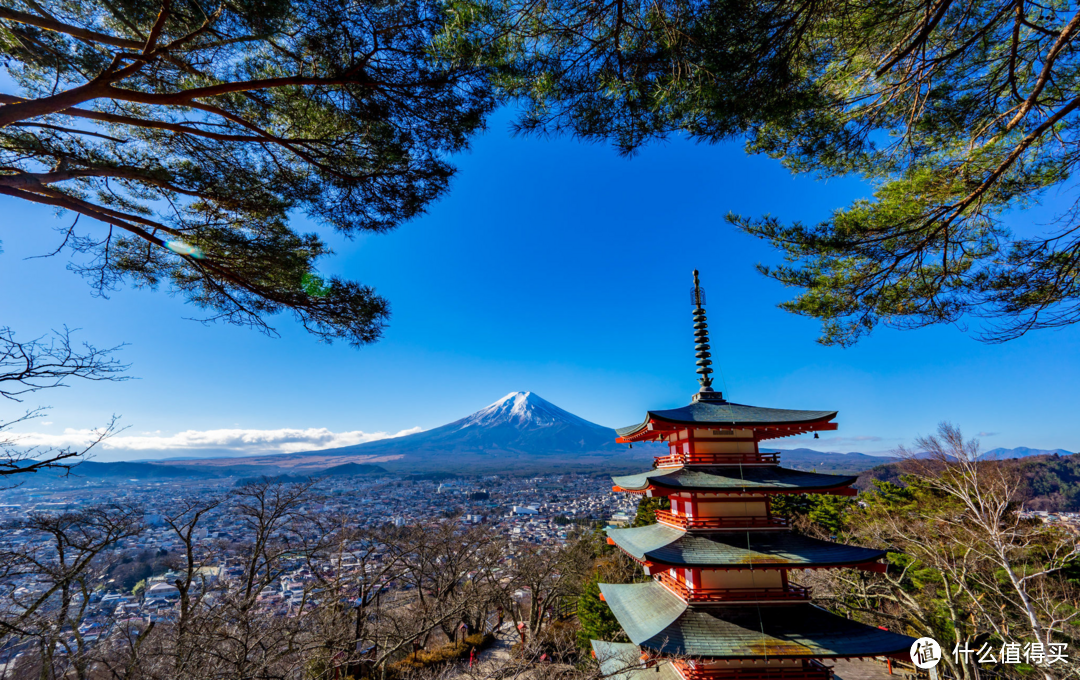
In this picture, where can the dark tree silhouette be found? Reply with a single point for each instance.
(191, 134)
(44, 363)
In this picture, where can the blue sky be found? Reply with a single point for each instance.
(551, 266)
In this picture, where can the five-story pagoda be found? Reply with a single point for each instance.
(722, 603)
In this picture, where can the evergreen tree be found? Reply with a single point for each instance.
(189, 133)
(646, 510)
(594, 615)
(815, 513)
(635, 71)
(958, 111)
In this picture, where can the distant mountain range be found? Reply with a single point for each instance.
(1021, 452)
(141, 472)
(520, 433)
(829, 461)
(823, 461)
(162, 470)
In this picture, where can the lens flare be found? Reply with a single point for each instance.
(181, 248)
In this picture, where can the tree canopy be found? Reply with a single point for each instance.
(195, 132)
(959, 112)
(192, 132)
(646, 510)
(632, 72)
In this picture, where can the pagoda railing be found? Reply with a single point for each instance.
(812, 670)
(684, 522)
(792, 592)
(674, 459)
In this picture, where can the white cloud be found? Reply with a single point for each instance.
(238, 440)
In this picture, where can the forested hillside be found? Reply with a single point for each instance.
(1051, 483)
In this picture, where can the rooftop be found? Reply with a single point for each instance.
(732, 478)
(721, 413)
(736, 549)
(658, 621)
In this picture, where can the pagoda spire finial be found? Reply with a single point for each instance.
(701, 343)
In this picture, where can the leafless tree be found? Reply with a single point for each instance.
(45, 586)
(307, 594)
(45, 363)
(962, 555)
(549, 574)
(447, 566)
(996, 545)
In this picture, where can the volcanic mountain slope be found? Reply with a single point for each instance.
(518, 433)
(519, 430)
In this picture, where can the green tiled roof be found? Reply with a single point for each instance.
(622, 661)
(657, 620)
(733, 478)
(739, 549)
(726, 414)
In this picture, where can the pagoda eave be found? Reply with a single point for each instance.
(617, 658)
(648, 434)
(661, 430)
(657, 491)
(627, 661)
(653, 567)
(780, 432)
(659, 622)
(727, 478)
(668, 547)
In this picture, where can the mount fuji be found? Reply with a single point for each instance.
(522, 421)
(520, 430)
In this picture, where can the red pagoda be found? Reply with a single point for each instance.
(722, 603)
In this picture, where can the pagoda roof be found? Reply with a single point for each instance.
(654, 618)
(736, 549)
(721, 413)
(732, 478)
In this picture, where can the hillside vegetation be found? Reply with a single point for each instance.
(1050, 483)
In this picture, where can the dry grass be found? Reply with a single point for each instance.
(443, 654)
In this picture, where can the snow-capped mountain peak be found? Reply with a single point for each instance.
(523, 410)
(519, 431)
